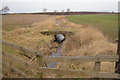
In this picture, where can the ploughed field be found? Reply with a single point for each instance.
(11, 22)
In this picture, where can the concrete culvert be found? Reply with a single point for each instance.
(59, 38)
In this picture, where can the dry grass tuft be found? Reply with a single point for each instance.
(88, 41)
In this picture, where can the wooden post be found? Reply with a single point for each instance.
(40, 60)
(117, 67)
(97, 66)
(40, 63)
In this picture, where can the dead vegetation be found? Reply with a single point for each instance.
(32, 38)
(86, 41)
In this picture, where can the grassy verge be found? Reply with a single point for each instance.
(108, 24)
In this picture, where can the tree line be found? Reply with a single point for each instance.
(6, 9)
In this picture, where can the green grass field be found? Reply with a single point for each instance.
(108, 24)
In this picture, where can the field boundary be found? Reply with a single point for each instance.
(41, 59)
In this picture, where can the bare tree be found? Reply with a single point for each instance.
(62, 12)
(68, 11)
(44, 10)
(113, 12)
(55, 11)
(5, 9)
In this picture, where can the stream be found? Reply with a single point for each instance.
(56, 54)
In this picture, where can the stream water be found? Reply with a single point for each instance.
(56, 54)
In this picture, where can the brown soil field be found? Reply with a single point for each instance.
(20, 20)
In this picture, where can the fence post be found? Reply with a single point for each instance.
(40, 63)
(97, 66)
(117, 67)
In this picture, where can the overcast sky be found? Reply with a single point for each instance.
(60, 0)
(19, 6)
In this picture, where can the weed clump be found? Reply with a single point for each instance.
(88, 41)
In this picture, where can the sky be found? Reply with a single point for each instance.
(26, 6)
(60, 0)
